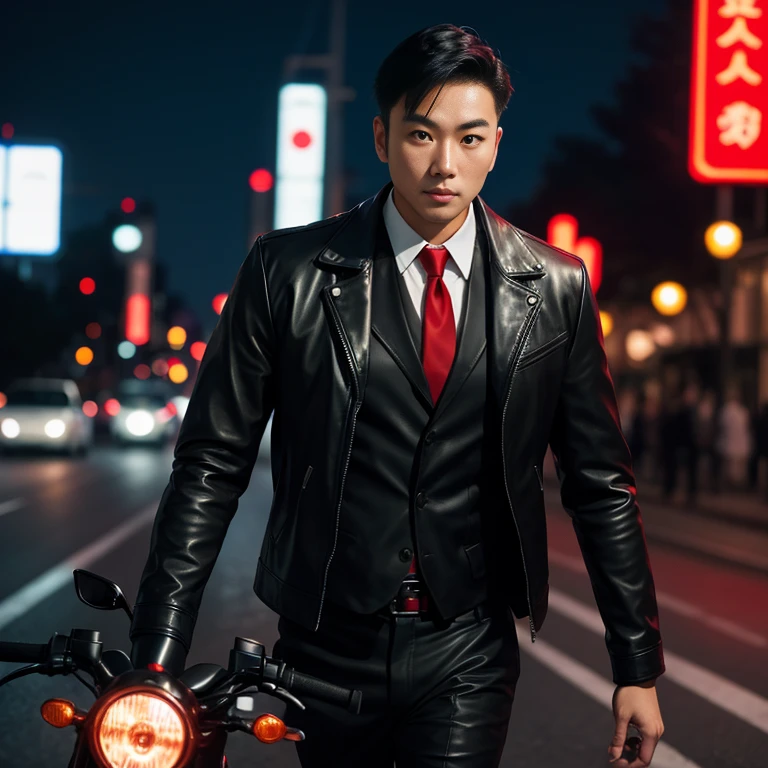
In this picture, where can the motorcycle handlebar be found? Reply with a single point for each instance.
(306, 685)
(23, 653)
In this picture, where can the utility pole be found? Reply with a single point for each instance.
(333, 65)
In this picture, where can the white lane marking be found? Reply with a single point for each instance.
(597, 688)
(733, 698)
(11, 506)
(671, 603)
(55, 578)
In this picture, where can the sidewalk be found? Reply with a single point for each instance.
(744, 509)
(729, 527)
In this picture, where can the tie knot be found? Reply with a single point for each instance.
(434, 260)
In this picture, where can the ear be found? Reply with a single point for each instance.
(499, 132)
(380, 138)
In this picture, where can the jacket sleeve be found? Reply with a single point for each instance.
(217, 447)
(597, 487)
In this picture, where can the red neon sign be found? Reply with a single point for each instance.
(729, 92)
(562, 232)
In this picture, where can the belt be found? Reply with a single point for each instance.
(411, 599)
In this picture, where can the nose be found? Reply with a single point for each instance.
(443, 162)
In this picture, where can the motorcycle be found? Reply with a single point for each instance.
(146, 718)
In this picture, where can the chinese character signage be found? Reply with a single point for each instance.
(729, 92)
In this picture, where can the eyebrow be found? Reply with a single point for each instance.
(429, 123)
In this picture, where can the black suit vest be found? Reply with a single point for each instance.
(422, 476)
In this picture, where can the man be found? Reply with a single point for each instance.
(420, 354)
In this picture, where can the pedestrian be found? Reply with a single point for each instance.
(761, 446)
(706, 439)
(735, 439)
(419, 353)
(688, 440)
(669, 443)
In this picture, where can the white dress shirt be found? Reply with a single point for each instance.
(407, 246)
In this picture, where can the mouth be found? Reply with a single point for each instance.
(441, 195)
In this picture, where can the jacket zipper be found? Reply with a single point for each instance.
(526, 332)
(346, 463)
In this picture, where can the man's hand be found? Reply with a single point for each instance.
(636, 705)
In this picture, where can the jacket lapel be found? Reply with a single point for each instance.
(390, 325)
(470, 342)
(515, 303)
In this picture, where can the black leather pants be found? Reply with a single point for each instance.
(435, 694)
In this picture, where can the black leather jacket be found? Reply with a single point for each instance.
(294, 338)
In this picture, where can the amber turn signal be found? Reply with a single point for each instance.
(58, 712)
(269, 729)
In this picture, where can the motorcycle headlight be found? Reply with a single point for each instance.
(141, 728)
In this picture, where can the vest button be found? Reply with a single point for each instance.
(430, 438)
(421, 500)
(405, 555)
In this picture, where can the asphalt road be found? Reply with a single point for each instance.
(56, 514)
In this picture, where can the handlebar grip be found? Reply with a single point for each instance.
(21, 653)
(311, 686)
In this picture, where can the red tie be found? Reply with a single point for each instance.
(439, 326)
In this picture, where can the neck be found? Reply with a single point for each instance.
(435, 233)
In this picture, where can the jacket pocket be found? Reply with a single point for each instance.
(535, 355)
(284, 517)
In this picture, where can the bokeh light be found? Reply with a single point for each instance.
(8, 131)
(126, 349)
(112, 407)
(142, 371)
(606, 320)
(84, 355)
(159, 367)
(178, 373)
(3, 399)
(128, 205)
(723, 239)
(639, 345)
(669, 298)
(87, 286)
(197, 350)
(218, 302)
(261, 180)
(93, 330)
(127, 238)
(177, 337)
(90, 409)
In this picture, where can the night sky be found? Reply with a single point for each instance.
(175, 102)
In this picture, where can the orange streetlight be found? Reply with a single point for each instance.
(723, 239)
(669, 298)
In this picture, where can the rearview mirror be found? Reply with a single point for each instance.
(98, 592)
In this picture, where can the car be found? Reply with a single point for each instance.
(45, 413)
(144, 419)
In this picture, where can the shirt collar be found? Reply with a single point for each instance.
(407, 244)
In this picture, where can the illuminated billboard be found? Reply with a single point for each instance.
(30, 200)
(302, 109)
(729, 92)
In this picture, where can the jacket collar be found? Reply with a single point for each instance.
(354, 243)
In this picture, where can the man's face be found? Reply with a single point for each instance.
(451, 150)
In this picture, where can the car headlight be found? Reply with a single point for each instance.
(10, 428)
(140, 423)
(55, 428)
(141, 729)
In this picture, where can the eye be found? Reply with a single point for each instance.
(474, 140)
(420, 135)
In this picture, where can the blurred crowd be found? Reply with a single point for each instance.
(684, 443)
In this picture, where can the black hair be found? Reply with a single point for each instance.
(436, 56)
